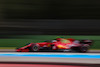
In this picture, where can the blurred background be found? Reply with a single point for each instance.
(24, 21)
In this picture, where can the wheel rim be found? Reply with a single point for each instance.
(35, 48)
(84, 49)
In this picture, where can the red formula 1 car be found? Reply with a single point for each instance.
(59, 44)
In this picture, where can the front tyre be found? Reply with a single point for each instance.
(35, 47)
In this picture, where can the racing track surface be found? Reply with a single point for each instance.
(47, 59)
(86, 58)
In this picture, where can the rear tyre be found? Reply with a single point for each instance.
(84, 48)
(35, 47)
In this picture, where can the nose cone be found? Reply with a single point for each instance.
(18, 50)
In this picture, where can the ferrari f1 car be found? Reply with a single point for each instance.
(59, 44)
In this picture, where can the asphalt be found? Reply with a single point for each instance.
(49, 60)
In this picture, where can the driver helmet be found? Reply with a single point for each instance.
(54, 41)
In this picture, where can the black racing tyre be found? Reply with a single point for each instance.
(34, 47)
(84, 48)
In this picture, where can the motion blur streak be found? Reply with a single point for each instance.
(50, 17)
(36, 65)
(51, 55)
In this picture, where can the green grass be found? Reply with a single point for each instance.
(21, 40)
(7, 47)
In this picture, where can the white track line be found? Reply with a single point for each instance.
(54, 53)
